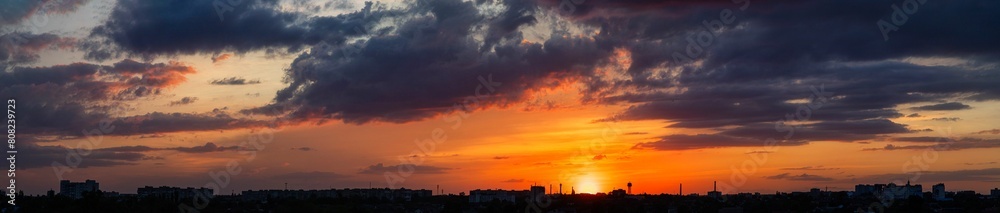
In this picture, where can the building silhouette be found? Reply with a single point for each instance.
(401, 194)
(618, 192)
(149, 198)
(76, 189)
(890, 190)
(173, 193)
(938, 191)
(490, 195)
(537, 190)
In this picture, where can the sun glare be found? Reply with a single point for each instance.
(588, 184)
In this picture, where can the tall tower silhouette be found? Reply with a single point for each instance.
(630, 187)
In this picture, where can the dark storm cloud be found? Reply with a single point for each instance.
(512, 180)
(234, 81)
(304, 149)
(208, 147)
(754, 134)
(942, 144)
(15, 12)
(810, 168)
(760, 61)
(923, 139)
(427, 67)
(946, 119)
(153, 28)
(380, 169)
(985, 175)
(518, 13)
(943, 106)
(67, 99)
(802, 177)
(980, 163)
(23, 48)
(710, 103)
(339, 4)
(790, 31)
(735, 83)
(702, 141)
(184, 101)
(854, 130)
(869, 127)
(44, 156)
(991, 131)
(159, 122)
(308, 176)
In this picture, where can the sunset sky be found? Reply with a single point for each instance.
(504, 94)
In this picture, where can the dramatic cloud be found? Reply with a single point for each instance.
(984, 175)
(380, 169)
(158, 122)
(943, 106)
(170, 28)
(802, 177)
(946, 119)
(44, 156)
(310, 176)
(15, 12)
(65, 99)
(220, 58)
(981, 163)
(234, 81)
(184, 101)
(23, 48)
(992, 131)
(726, 66)
(810, 168)
(304, 149)
(208, 147)
(701, 141)
(745, 75)
(123, 80)
(437, 59)
(513, 181)
(941, 144)
(599, 157)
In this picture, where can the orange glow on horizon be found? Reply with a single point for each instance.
(588, 184)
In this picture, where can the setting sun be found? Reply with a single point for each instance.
(588, 184)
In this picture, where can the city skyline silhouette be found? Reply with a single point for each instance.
(611, 97)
